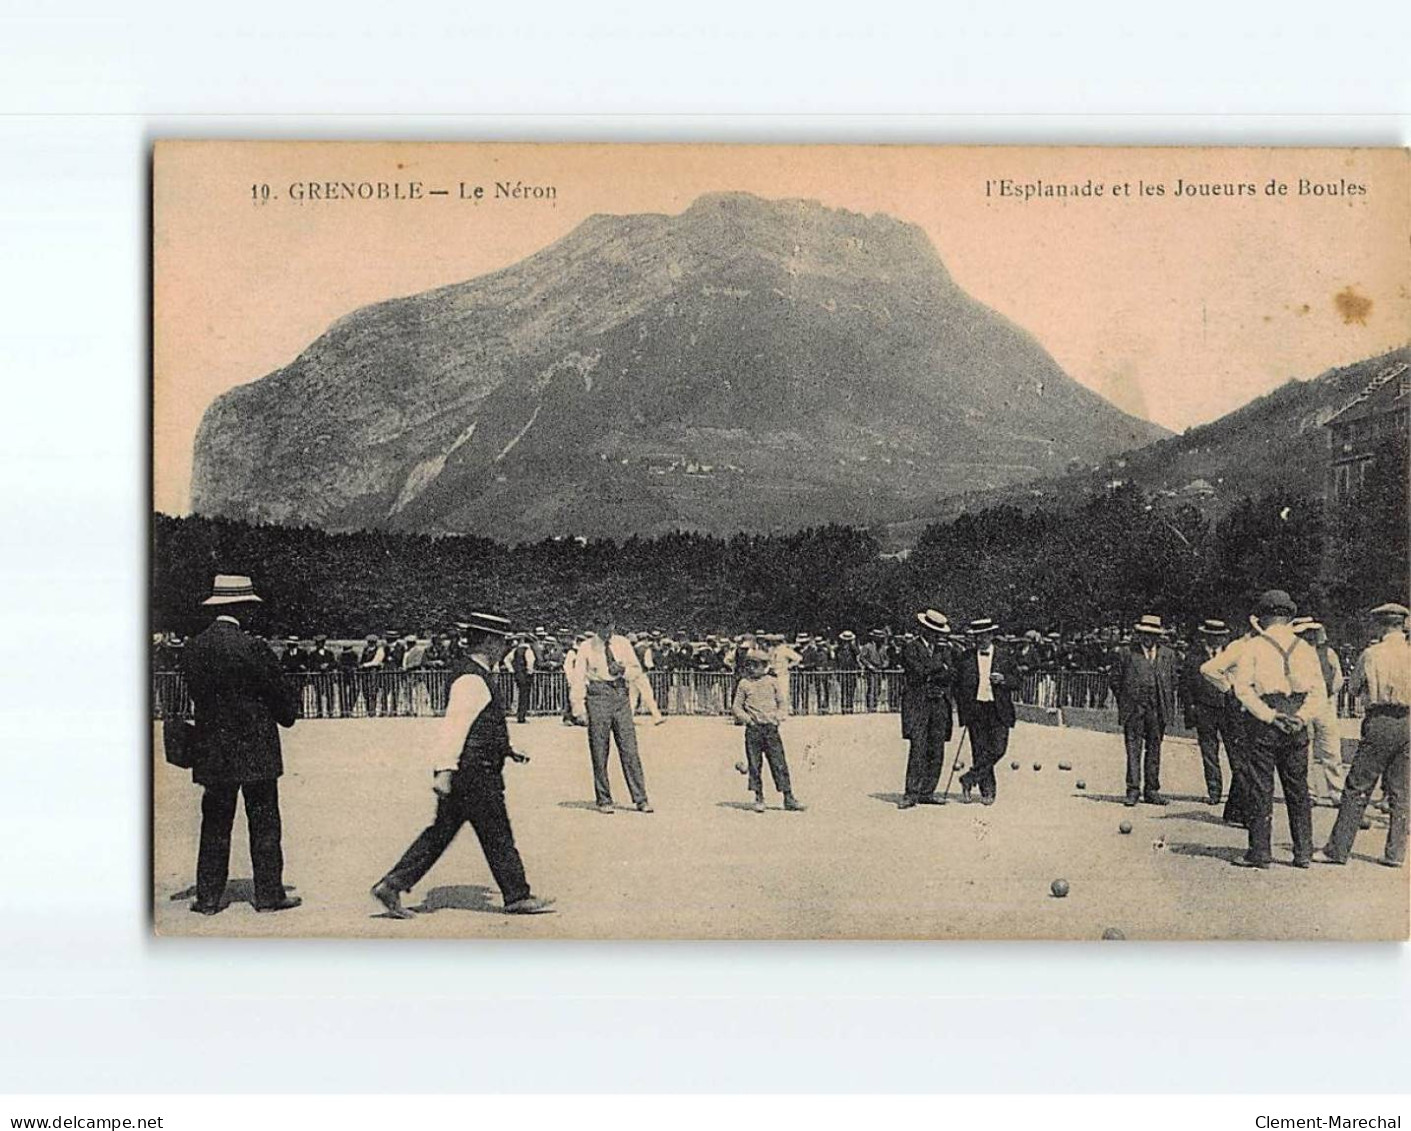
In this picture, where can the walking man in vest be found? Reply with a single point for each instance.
(1325, 771)
(1383, 677)
(600, 691)
(1144, 681)
(468, 764)
(1278, 681)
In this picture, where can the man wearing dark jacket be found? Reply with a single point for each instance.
(926, 708)
(241, 700)
(985, 683)
(1144, 681)
(1212, 713)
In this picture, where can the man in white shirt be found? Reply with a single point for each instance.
(1279, 682)
(600, 685)
(467, 764)
(1325, 769)
(1382, 678)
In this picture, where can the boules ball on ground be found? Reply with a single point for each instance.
(1125, 827)
(1113, 933)
(1059, 888)
(1065, 765)
(1038, 765)
(1081, 784)
(1013, 765)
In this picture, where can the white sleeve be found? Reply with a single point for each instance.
(469, 696)
(529, 661)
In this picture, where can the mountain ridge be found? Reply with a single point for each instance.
(744, 364)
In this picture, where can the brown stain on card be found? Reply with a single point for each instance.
(1352, 306)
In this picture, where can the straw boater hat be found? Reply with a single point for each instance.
(1391, 609)
(981, 625)
(1213, 627)
(879, 633)
(231, 589)
(847, 634)
(1305, 624)
(486, 622)
(934, 620)
(1151, 624)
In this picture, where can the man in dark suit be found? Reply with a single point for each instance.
(985, 682)
(468, 765)
(926, 708)
(1144, 681)
(241, 700)
(1212, 713)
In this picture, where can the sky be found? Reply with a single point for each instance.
(1176, 307)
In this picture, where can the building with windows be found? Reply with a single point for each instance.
(1362, 432)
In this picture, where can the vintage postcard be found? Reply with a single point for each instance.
(765, 542)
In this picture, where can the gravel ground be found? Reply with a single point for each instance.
(703, 866)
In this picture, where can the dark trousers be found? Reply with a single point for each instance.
(523, 689)
(989, 739)
(1236, 744)
(477, 798)
(1212, 725)
(927, 755)
(1142, 732)
(1382, 754)
(1268, 750)
(872, 685)
(762, 743)
(848, 690)
(266, 832)
(610, 716)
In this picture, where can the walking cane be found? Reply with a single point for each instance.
(964, 734)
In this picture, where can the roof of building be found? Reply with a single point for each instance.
(1390, 389)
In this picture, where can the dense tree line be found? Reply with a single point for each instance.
(1115, 556)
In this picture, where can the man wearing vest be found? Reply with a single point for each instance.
(468, 779)
(1383, 677)
(1325, 770)
(1144, 681)
(600, 691)
(522, 663)
(1210, 711)
(985, 681)
(1278, 681)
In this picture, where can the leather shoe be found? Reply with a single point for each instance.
(645, 807)
(1155, 799)
(986, 800)
(907, 803)
(391, 899)
(206, 908)
(1297, 863)
(758, 805)
(605, 807)
(285, 904)
(1130, 800)
(1322, 857)
(1246, 862)
(930, 799)
(792, 806)
(529, 905)
(1388, 862)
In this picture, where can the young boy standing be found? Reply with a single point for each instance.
(761, 707)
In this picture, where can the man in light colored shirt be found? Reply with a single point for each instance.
(467, 764)
(600, 685)
(1325, 769)
(1279, 683)
(1383, 678)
